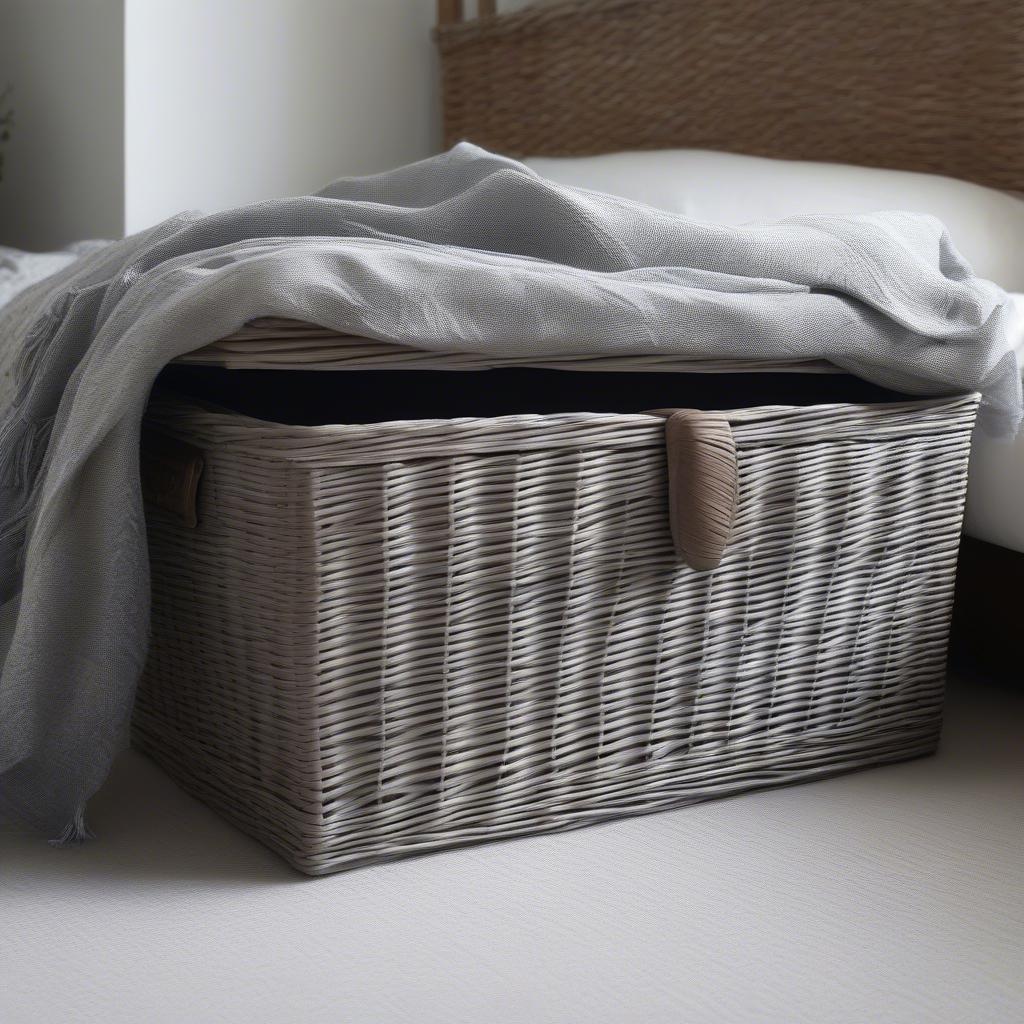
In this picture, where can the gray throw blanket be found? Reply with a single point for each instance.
(464, 252)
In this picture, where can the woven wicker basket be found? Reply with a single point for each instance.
(376, 640)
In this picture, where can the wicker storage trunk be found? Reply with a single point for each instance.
(377, 640)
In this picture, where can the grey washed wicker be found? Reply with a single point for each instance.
(384, 639)
(381, 640)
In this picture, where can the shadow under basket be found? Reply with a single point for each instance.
(393, 636)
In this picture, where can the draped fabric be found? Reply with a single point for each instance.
(466, 252)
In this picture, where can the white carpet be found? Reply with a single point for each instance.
(895, 895)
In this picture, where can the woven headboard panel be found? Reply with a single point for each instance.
(926, 85)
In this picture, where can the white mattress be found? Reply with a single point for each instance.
(985, 224)
(995, 483)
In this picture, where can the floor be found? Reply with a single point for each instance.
(893, 895)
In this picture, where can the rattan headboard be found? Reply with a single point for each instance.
(927, 85)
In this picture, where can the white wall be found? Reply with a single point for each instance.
(64, 172)
(231, 101)
(129, 111)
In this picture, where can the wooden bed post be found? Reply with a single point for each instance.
(449, 12)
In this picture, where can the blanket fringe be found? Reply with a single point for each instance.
(34, 346)
(75, 832)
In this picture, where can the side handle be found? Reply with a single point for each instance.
(170, 471)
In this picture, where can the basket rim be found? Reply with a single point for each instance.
(343, 444)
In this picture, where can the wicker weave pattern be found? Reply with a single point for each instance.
(276, 344)
(388, 639)
(919, 85)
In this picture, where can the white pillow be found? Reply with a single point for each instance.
(986, 225)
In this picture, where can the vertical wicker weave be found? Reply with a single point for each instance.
(394, 638)
(922, 85)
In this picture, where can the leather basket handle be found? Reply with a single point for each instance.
(703, 484)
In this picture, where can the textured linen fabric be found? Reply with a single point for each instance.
(463, 252)
(733, 188)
